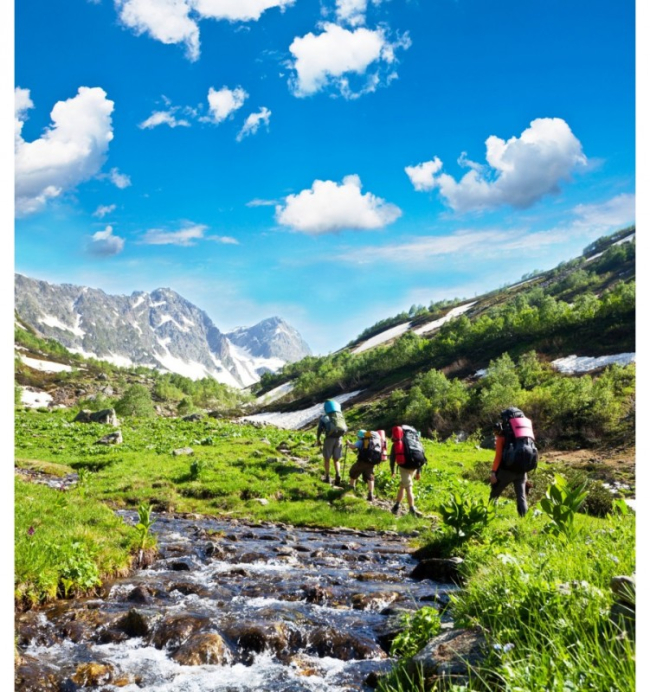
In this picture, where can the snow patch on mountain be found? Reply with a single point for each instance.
(382, 337)
(293, 420)
(436, 324)
(44, 365)
(574, 364)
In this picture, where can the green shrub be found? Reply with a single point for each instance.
(419, 628)
(136, 402)
(467, 516)
(560, 504)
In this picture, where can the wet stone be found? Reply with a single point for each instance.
(373, 601)
(202, 648)
(251, 557)
(33, 676)
(181, 566)
(326, 641)
(187, 588)
(172, 632)
(137, 623)
(318, 594)
(140, 594)
(92, 674)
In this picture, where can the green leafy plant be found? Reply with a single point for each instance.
(144, 524)
(560, 504)
(467, 516)
(419, 628)
(196, 467)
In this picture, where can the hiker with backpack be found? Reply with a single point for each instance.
(407, 453)
(370, 447)
(332, 424)
(515, 456)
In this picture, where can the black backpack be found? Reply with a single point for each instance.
(373, 452)
(519, 453)
(413, 450)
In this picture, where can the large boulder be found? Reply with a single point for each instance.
(449, 658)
(174, 631)
(106, 416)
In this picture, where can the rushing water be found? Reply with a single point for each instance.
(295, 609)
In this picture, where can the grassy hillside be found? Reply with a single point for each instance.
(584, 307)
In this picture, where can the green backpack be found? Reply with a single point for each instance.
(335, 424)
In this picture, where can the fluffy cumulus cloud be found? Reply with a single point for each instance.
(105, 244)
(177, 21)
(223, 239)
(237, 10)
(167, 21)
(253, 122)
(163, 118)
(71, 150)
(519, 171)
(352, 12)
(423, 175)
(104, 210)
(328, 207)
(336, 55)
(225, 102)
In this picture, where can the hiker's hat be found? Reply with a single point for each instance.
(361, 434)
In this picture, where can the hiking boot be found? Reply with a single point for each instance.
(371, 497)
(395, 509)
(337, 480)
(328, 480)
(416, 513)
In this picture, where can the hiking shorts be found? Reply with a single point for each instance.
(364, 469)
(332, 448)
(406, 477)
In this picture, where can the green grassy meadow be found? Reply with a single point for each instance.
(546, 595)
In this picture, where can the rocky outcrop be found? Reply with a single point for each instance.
(114, 438)
(445, 570)
(106, 416)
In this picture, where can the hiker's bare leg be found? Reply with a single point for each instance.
(327, 466)
(409, 496)
(371, 487)
(400, 495)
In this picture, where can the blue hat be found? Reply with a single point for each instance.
(361, 433)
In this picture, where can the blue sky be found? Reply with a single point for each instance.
(329, 162)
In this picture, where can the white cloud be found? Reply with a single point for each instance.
(520, 171)
(253, 122)
(185, 237)
(223, 239)
(225, 102)
(237, 10)
(262, 203)
(333, 56)
(120, 180)
(167, 21)
(72, 149)
(329, 207)
(351, 11)
(103, 210)
(618, 212)
(163, 118)
(422, 175)
(105, 244)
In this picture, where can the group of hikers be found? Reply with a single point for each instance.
(515, 455)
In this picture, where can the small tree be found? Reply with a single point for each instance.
(136, 402)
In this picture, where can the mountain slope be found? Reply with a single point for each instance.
(160, 329)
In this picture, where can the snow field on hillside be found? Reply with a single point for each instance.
(45, 365)
(454, 312)
(293, 420)
(574, 364)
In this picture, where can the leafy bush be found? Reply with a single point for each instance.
(419, 628)
(560, 504)
(467, 516)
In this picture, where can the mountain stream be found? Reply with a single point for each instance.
(229, 606)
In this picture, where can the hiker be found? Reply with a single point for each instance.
(407, 453)
(515, 456)
(370, 447)
(332, 424)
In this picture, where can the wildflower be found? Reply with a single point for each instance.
(30, 531)
(508, 647)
